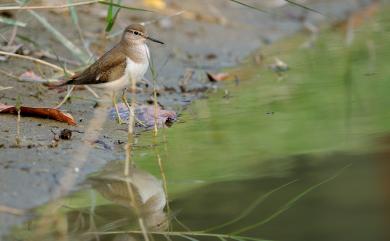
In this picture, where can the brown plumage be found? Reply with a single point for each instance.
(112, 65)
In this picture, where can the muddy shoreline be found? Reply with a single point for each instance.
(30, 175)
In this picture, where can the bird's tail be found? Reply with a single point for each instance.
(67, 82)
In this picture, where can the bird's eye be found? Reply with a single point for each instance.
(136, 33)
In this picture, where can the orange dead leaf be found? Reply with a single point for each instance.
(40, 112)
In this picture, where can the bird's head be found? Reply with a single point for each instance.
(136, 34)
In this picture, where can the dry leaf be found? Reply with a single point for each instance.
(40, 112)
(32, 77)
(217, 77)
(157, 4)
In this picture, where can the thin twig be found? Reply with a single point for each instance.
(67, 96)
(18, 140)
(15, 29)
(47, 6)
(13, 35)
(196, 234)
(250, 208)
(14, 211)
(164, 178)
(76, 51)
(128, 148)
(130, 128)
(5, 88)
(137, 211)
(290, 203)
(92, 91)
(155, 132)
(49, 55)
(76, 22)
(10, 75)
(56, 67)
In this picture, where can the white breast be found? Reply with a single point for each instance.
(134, 71)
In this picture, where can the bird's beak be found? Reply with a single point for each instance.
(154, 40)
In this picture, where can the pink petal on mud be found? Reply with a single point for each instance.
(146, 114)
(32, 77)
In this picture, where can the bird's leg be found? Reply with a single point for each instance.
(119, 119)
(131, 111)
(124, 99)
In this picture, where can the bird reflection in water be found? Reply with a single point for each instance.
(140, 194)
(119, 204)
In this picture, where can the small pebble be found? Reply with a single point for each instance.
(66, 134)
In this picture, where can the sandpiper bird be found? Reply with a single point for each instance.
(126, 61)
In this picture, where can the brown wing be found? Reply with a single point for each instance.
(111, 66)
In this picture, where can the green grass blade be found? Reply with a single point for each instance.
(110, 17)
(186, 234)
(73, 14)
(76, 23)
(112, 20)
(188, 237)
(77, 52)
(10, 21)
(28, 40)
(247, 211)
(290, 203)
(167, 237)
